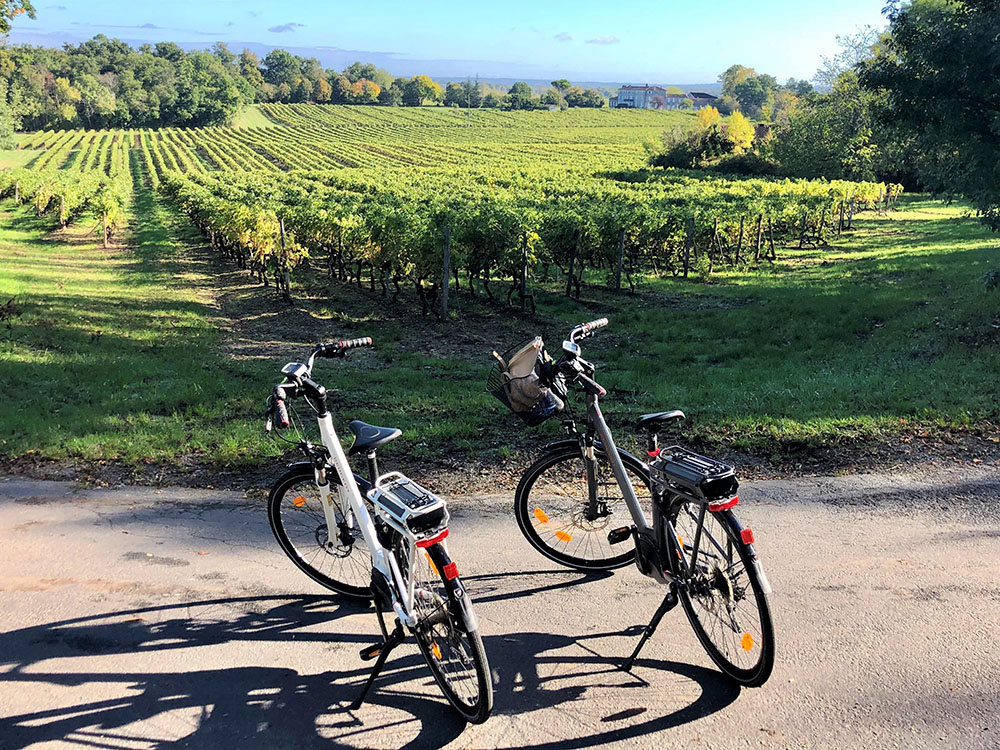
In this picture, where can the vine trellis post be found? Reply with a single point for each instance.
(446, 275)
(688, 244)
(621, 254)
(524, 270)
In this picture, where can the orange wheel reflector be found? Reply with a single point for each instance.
(299, 501)
(436, 649)
(746, 641)
(680, 541)
(431, 563)
(540, 515)
(563, 536)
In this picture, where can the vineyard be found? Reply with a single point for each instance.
(391, 197)
(744, 289)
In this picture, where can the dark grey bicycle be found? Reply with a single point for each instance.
(583, 497)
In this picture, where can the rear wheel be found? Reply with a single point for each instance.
(555, 515)
(339, 558)
(454, 652)
(724, 598)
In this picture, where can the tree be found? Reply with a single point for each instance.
(473, 96)
(834, 137)
(322, 91)
(937, 72)
(420, 89)
(281, 67)
(392, 95)
(519, 96)
(854, 49)
(454, 95)
(11, 9)
(561, 85)
(365, 92)
(249, 69)
(169, 51)
(10, 115)
(97, 101)
(341, 88)
(708, 117)
(740, 131)
(733, 76)
(303, 90)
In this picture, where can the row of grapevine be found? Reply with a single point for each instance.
(99, 181)
(393, 224)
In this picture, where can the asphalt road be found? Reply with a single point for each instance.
(144, 618)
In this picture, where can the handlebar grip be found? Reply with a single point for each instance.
(584, 330)
(355, 343)
(594, 325)
(282, 413)
(337, 348)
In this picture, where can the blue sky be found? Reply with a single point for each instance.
(665, 41)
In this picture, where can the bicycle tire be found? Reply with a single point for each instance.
(439, 632)
(721, 586)
(316, 560)
(530, 521)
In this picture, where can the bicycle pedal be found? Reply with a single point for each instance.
(371, 652)
(617, 536)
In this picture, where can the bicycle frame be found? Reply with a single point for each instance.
(595, 419)
(350, 503)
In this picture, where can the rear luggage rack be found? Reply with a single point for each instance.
(696, 477)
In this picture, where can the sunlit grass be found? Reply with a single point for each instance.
(117, 355)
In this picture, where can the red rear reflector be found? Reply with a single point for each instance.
(433, 540)
(724, 504)
(747, 536)
(450, 571)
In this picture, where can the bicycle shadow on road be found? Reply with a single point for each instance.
(227, 707)
(176, 698)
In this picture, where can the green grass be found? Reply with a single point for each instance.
(252, 117)
(113, 354)
(11, 159)
(117, 355)
(892, 330)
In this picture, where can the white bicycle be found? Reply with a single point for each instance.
(381, 537)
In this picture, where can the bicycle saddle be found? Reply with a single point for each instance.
(654, 422)
(368, 437)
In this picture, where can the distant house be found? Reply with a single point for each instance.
(677, 101)
(639, 97)
(656, 97)
(700, 100)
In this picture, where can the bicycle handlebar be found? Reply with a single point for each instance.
(584, 330)
(337, 348)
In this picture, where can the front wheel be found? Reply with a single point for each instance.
(337, 558)
(559, 517)
(721, 590)
(453, 650)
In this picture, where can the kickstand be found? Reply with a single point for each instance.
(668, 603)
(382, 651)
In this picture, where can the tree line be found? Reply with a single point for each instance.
(106, 83)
